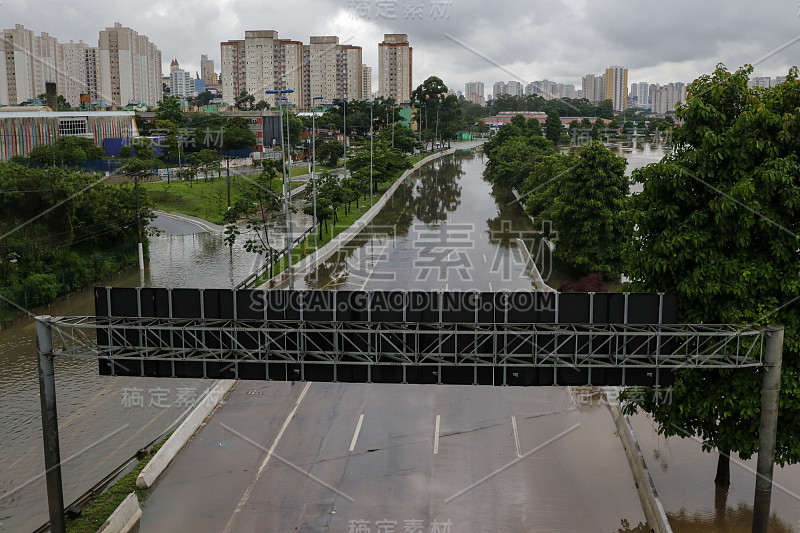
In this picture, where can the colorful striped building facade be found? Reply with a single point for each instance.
(21, 131)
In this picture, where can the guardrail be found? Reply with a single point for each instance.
(263, 269)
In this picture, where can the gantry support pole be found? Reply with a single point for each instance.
(767, 432)
(52, 455)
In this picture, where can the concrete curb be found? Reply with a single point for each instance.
(125, 518)
(651, 503)
(309, 263)
(181, 436)
(536, 276)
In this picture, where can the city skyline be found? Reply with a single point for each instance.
(659, 50)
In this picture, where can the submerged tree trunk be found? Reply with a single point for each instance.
(723, 478)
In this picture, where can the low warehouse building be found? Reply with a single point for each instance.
(20, 131)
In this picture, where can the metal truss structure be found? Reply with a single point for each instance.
(667, 346)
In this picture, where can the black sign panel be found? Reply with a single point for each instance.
(337, 335)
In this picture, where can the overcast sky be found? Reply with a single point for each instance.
(462, 40)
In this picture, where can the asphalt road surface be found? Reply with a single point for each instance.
(332, 457)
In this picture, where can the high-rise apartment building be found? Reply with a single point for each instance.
(130, 67)
(395, 67)
(498, 88)
(124, 67)
(593, 87)
(207, 72)
(473, 91)
(263, 62)
(28, 62)
(234, 69)
(366, 83)
(81, 67)
(642, 94)
(616, 82)
(181, 83)
(349, 78)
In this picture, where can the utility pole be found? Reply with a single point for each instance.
(52, 454)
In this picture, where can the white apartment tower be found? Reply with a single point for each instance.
(81, 68)
(130, 67)
(181, 83)
(263, 62)
(395, 67)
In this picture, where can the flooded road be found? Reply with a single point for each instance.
(103, 421)
(445, 228)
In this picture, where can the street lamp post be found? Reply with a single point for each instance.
(345, 134)
(285, 190)
(371, 140)
(393, 106)
(314, 161)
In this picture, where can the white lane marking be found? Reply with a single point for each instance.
(490, 287)
(516, 435)
(374, 265)
(358, 430)
(436, 437)
(484, 258)
(246, 495)
(197, 223)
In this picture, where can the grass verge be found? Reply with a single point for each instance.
(203, 198)
(100, 508)
(307, 246)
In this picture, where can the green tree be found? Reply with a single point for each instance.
(170, 109)
(586, 208)
(245, 101)
(553, 125)
(329, 152)
(237, 135)
(717, 224)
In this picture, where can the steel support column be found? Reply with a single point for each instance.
(767, 432)
(52, 455)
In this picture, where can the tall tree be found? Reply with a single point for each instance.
(717, 224)
(553, 125)
(170, 109)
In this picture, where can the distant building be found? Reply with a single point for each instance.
(643, 94)
(181, 83)
(124, 67)
(498, 89)
(760, 81)
(130, 67)
(616, 85)
(207, 73)
(473, 91)
(262, 61)
(593, 88)
(366, 84)
(514, 88)
(395, 67)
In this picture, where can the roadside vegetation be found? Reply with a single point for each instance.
(61, 230)
(716, 224)
(97, 511)
(581, 194)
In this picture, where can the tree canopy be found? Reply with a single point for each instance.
(717, 224)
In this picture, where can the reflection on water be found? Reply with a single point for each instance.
(438, 231)
(684, 477)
